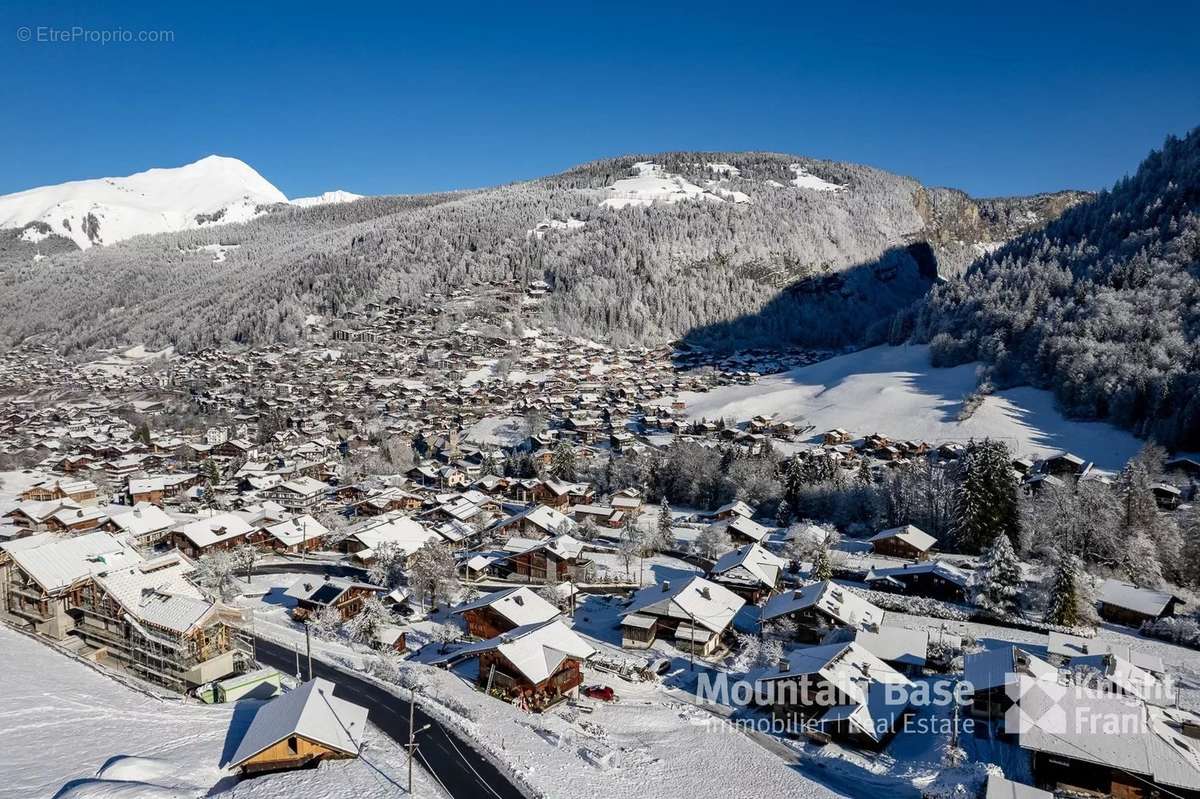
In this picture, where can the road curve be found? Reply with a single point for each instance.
(464, 772)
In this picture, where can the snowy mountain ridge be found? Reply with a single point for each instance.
(214, 190)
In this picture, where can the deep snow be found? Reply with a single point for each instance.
(894, 391)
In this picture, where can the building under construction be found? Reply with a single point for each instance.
(145, 616)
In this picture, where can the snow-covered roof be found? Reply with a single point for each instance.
(942, 569)
(312, 712)
(833, 600)
(860, 677)
(157, 592)
(1148, 743)
(403, 532)
(325, 590)
(756, 562)
(1000, 788)
(736, 507)
(996, 668)
(520, 606)
(144, 519)
(536, 650)
(304, 486)
(748, 527)
(1128, 596)
(909, 534)
(564, 547)
(541, 516)
(711, 605)
(291, 532)
(1074, 648)
(215, 529)
(895, 644)
(57, 563)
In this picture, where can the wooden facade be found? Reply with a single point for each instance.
(499, 674)
(486, 623)
(292, 752)
(349, 603)
(897, 547)
(1133, 618)
(543, 566)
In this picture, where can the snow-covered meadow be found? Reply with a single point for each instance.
(894, 391)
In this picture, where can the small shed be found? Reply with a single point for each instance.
(258, 684)
(1126, 603)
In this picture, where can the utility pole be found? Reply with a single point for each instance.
(308, 646)
(304, 539)
(296, 649)
(412, 737)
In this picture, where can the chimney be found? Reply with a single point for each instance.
(520, 600)
(704, 592)
(666, 585)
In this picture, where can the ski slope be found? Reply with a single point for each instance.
(894, 391)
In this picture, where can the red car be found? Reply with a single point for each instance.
(602, 692)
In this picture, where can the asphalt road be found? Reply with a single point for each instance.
(464, 772)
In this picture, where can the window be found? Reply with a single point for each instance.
(294, 745)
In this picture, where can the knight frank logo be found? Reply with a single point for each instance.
(1035, 703)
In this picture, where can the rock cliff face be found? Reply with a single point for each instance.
(960, 228)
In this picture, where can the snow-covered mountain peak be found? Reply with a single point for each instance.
(214, 190)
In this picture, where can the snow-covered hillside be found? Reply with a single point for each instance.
(213, 190)
(894, 391)
(71, 732)
(326, 198)
(654, 184)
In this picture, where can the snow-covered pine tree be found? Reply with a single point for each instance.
(998, 580)
(822, 568)
(986, 500)
(664, 539)
(864, 476)
(562, 462)
(1065, 593)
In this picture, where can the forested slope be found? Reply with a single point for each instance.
(754, 255)
(1103, 306)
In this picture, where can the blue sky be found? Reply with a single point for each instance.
(393, 98)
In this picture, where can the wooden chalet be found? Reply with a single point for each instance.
(536, 665)
(909, 542)
(314, 594)
(501, 611)
(1125, 603)
(300, 728)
